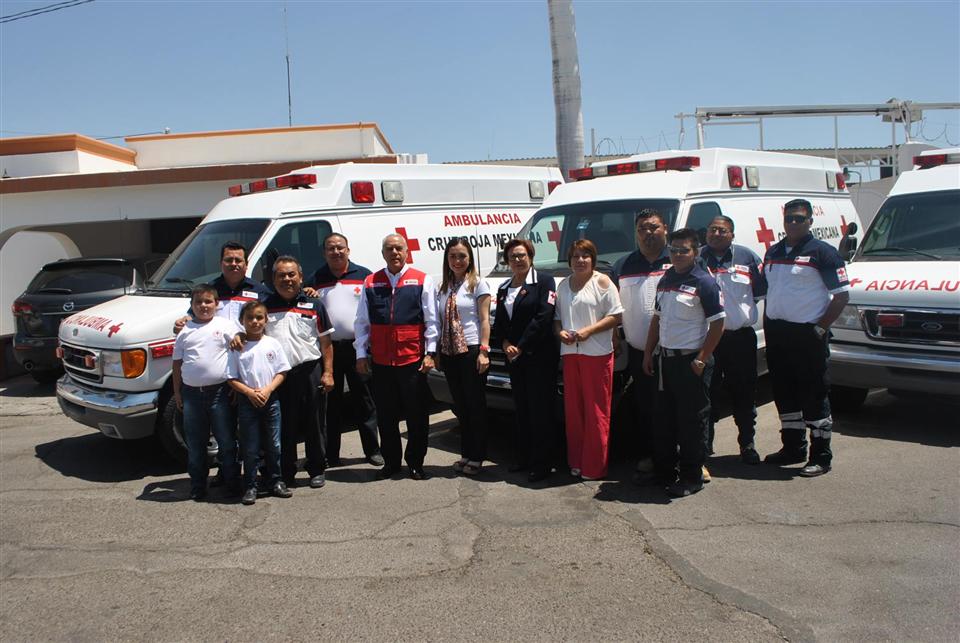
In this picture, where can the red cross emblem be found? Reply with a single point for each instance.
(412, 244)
(114, 329)
(356, 290)
(855, 281)
(554, 234)
(764, 234)
(843, 225)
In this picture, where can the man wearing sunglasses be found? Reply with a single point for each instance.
(737, 271)
(807, 288)
(687, 325)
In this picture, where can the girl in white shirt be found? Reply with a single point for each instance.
(463, 308)
(587, 314)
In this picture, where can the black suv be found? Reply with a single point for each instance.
(61, 289)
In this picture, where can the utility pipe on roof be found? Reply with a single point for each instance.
(566, 86)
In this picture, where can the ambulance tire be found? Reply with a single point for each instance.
(170, 434)
(46, 377)
(847, 399)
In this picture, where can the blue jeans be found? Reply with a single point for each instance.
(252, 422)
(205, 410)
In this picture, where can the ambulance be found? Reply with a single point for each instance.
(901, 329)
(689, 188)
(118, 355)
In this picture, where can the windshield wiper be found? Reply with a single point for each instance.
(899, 249)
(179, 280)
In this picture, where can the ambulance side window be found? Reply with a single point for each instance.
(303, 240)
(545, 236)
(701, 214)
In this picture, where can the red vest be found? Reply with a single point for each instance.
(396, 318)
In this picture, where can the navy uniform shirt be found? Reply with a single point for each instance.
(298, 326)
(800, 283)
(341, 296)
(637, 279)
(686, 304)
(231, 300)
(741, 281)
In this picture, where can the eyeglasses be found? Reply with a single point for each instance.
(518, 256)
(675, 250)
(718, 230)
(795, 218)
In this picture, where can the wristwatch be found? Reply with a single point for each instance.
(484, 349)
(820, 331)
(700, 363)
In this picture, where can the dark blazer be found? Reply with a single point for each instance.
(531, 326)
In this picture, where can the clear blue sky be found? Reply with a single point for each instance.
(472, 80)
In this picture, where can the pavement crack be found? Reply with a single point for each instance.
(840, 523)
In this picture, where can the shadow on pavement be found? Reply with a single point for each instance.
(929, 421)
(25, 387)
(730, 466)
(96, 458)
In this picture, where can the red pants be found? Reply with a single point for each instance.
(587, 385)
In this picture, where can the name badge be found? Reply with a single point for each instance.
(688, 289)
(411, 282)
(250, 293)
(739, 278)
(802, 259)
(306, 304)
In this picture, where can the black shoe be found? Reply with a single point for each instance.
(280, 490)
(684, 488)
(217, 480)
(249, 496)
(387, 472)
(375, 459)
(653, 479)
(787, 456)
(291, 483)
(537, 476)
(317, 481)
(417, 473)
(517, 466)
(814, 469)
(334, 462)
(749, 455)
(198, 495)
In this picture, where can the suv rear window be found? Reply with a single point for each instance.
(76, 279)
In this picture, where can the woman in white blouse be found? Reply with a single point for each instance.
(588, 312)
(464, 312)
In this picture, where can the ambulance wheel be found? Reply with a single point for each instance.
(170, 434)
(46, 377)
(847, 399)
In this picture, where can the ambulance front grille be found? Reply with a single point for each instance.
(939, 327)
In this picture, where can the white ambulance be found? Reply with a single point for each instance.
(117, 356)
(690, 188)
(901, 329)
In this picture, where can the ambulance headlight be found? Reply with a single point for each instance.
(849, 319)
(127, 364)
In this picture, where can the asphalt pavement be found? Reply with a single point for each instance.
(98, 542)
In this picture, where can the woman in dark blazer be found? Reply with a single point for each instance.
(523, 328)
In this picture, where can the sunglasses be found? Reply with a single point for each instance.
(717, 230)
(795, 218)
(675, 250)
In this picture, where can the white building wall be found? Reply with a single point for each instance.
(20, 260)
(90, 163)
(20, 165)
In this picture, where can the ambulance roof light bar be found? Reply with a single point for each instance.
(680, 163)
(933, 160)
(276, 183)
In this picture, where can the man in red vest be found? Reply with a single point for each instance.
(396, 328)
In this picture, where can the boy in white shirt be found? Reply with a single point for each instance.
(200, 391)
(255, 371)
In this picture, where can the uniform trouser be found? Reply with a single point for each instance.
(466, 387)
(797, 359)
(682, 417)
(402, 391)
(361, 410)
(538, 440)
(302, 407)
(587, 386)
(735, 371)
(645, 399)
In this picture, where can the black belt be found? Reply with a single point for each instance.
(678, 352)
(204, 389)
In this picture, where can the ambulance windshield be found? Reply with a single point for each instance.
(197, 259)
(608, 224)
(915, 227)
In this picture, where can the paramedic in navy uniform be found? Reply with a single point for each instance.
(338, 285)
(396, 328)
(687, 325)
(636, 276)
(737, 271)
(301, 325)
(807, 288)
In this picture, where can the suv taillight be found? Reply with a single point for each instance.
(21, 307)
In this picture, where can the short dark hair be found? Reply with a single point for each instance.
(685, 234)
(585, 246)
(286, 259)
(648, 213)
(323, 244)
(724, 218)
(203, 289)
(513, 243)
(232, 245)
(251, 305)
(798, 203)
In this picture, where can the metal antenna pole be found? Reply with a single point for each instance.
(286, 39)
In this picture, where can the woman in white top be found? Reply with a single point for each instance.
(587, 315)
(464, 313)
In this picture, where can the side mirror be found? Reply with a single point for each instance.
(848, 244)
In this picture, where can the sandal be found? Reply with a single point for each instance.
(472, 468)
(459, 465)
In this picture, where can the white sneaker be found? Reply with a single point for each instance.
(575, 473)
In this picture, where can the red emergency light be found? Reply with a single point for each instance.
(264, 185)
(735, 176)
(634, 167)
(551, 186)
(362, 192)
(841, 181)
(933, 160)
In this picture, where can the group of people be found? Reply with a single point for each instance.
(687, 313)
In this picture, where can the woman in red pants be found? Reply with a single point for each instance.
(587, 314)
